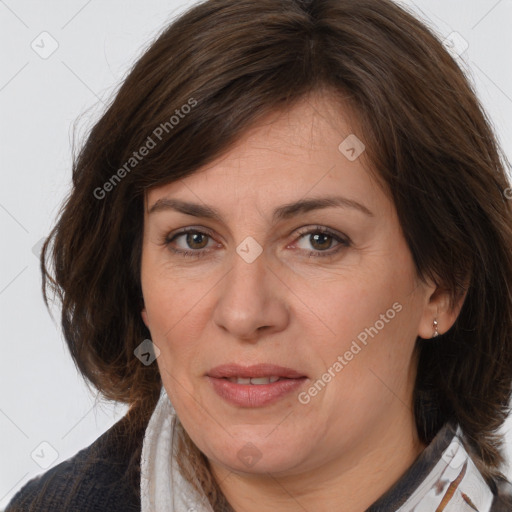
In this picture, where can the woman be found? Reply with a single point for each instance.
(288, 248)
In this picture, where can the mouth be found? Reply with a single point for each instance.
(254, 373)
(256, 381)
(254, 386)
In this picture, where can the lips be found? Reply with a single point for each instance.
(254, 386)
(230, 371)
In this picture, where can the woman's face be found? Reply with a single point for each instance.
(328, 291)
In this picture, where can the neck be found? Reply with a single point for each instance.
(350, 483)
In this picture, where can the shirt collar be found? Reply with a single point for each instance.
(442, 478)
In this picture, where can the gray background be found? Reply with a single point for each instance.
(42, 398)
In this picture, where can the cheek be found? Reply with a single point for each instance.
(347, 307)
(167, 297)
(369, 318)
(172, 308)
(175, 329)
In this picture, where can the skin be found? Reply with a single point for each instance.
(355, 438)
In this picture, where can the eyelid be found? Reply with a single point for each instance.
(343, 240)
(170, 237)
(188, 229)
(315, 228)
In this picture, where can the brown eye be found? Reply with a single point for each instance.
(196, 240)
(189, 242)
(321, 241)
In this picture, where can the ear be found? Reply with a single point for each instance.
(145, 317)
(438, 308)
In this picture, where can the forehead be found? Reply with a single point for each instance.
(285, 156)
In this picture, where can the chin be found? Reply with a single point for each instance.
(258, 457)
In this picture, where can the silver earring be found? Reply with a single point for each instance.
(434, 325)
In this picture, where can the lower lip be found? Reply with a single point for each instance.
(254, 395)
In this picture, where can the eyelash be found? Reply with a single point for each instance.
(343, 242)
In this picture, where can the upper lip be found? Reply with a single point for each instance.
(257, 370)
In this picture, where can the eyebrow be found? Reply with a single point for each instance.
(283, 212)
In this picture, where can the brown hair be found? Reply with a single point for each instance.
(427, 138)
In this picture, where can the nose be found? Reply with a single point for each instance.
(251, 299)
